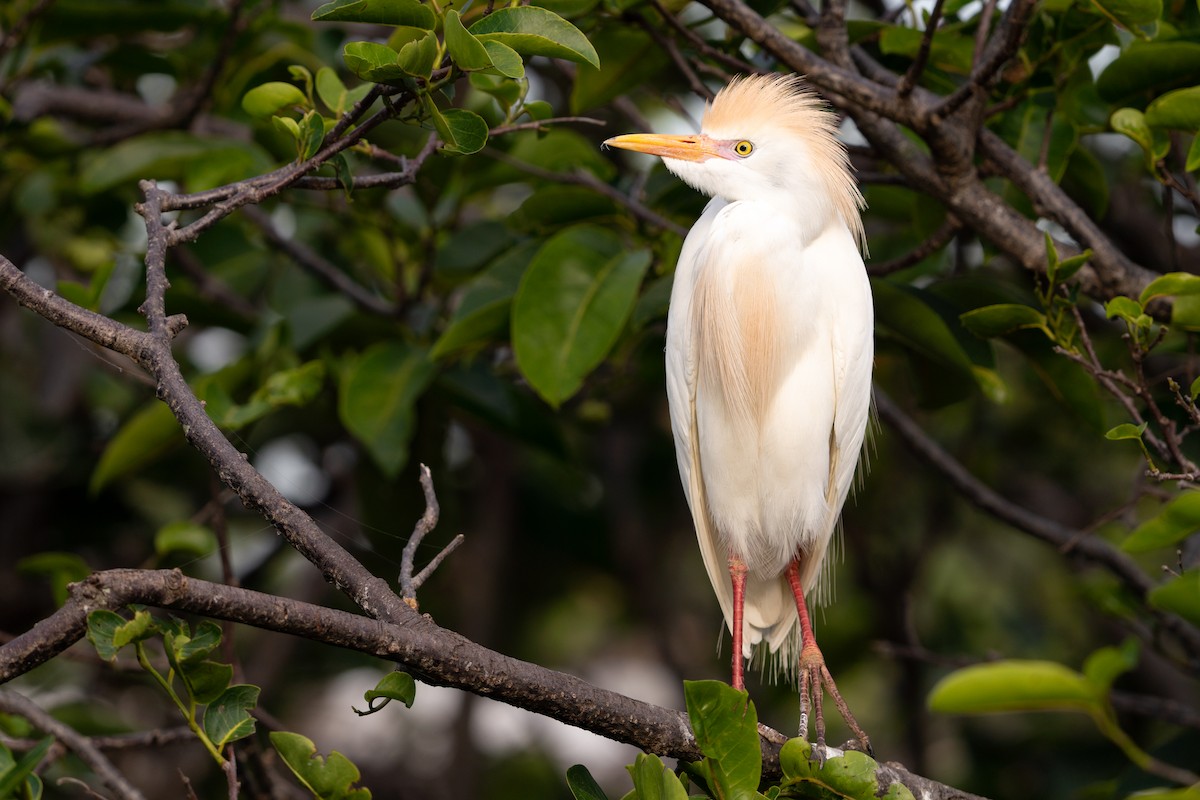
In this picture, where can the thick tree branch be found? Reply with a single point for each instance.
(435, 655)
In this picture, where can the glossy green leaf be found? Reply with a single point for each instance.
(331, 90)
(1108, 663)
(60, 568)
(409, 13)
(1126, 430)
(333, 777)
(187, 649)
(1172, 284)
(550, 208)
(393, 686)
(135, 630)
(1179, 109)
(572, 305)
(1013, 685)
(534, 31)
(631, 58)
(466, 51)
(653, 781)
(271, 98)
(1193, 155)
(1180, 595)
(484, 309)
(375, 62)
(462, 131)
(1125, 308)
(1132, 123)
(297, 386)
(726, 728)
(227, 718)
(189, 538)
(505, 60)
(852, 775)
(145, 437)
(206, 680)
(1145, 69)
(582, 785)
(908, 316)
(950, 50)
(1176, 521)
(377, 397)
(1003, 318)
(1130, 13)
(288, 126)
(417, 58)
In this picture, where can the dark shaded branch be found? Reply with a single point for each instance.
(330, 274)
(13, 703)
(913, 76)
(936, 241)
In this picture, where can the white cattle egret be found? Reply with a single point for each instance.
(769, 351)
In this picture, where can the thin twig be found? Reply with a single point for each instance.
(427, 522)
(913, 75)
(933, 243)
(542, 124)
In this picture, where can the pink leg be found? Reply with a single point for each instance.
(737, 572)
(814, 675)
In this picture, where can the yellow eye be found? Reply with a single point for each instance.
(743, 148)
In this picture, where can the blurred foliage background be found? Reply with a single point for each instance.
(341, 338)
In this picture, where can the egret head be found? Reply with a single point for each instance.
(765, 138)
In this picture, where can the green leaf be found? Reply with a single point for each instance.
(1013, 685)
(1172, 524)
(582, 785)
(997, 320)
(332, 777)
(726, 728)
(466, 51)
(851, 775)
(417, 57)
(484, 309)
(227, 718)
(184, 537)
(1179, 109)
(1193, 156)
(332, 91)
(376, 62)
(1125, 308)
(551, 208)
(1106, 664)
(1145, 69)
(377, 397)
(653, 781)
(1126, 430)
(1130, 13)
(534, 31)
(288, 126)
(572, 305)
(408, 13)
(393, 686)
(1132, 123)
(631, 58)
(1180, 596)
(505, 60)
(207, 680)
(169, 155)
(312, 133)
(135, 630)
(1194, 391)
(462, 131)
(60, 568)
(1172, 284)
(271, 98)
(102, 626)
(950, 51)
(13, 780)
(204, 640)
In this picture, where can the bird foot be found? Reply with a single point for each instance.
(815, 680)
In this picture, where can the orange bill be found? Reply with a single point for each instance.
(691, 147)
